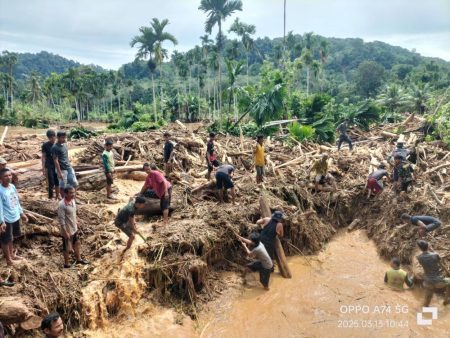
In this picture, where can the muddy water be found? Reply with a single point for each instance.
(322, 297)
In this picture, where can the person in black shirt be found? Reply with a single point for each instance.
(168, 154)
(48, 166)
(343, 137)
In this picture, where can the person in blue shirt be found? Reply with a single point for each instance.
(10, 214)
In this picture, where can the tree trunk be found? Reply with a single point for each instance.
(307, 80)
(154, 98)
(247, 69)
(220, 68)
(77, 110)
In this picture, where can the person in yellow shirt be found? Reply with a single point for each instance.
(260, 159)
(396, 277)
(320, 168)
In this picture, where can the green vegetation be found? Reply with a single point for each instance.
(233, 81)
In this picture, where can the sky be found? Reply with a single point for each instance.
(99, 31)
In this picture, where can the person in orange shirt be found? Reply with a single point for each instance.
(260, 159)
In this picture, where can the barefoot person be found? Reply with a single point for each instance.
(224, 182)
(211, 159)
(10, 215)
(125, 220)
(433, 279)
(425, 223)
(52, 325)
(66, 174)
(156, 186)
(396, 277)
(272, 227)
(48, 166)
(375, 181)
(67, 217)
(343, 137)
(168, 154)
(260, 159)
(109, 165)
(263, 263)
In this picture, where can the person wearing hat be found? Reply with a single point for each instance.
(425, 223)
(109, 165)
(320, 167)
(272, 227)
(3, 165)
(403, 174)
(433, 279)
(343, 137)
(400, 149)
(48, 166)
(375, 180)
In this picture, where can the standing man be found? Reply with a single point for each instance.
(320, 167)
(396, 277)
(211, 159)
(224, 182)
(403, 175)
(343, 137)
(260, 159)
(263, 263)
(272, 227)
(52, 325)
(375, 181)
(67, 217)
(125, 219)
(66, 174)
(156, 186)
(109, 165)
(433, 279)
(168, 154)
(48, 165)
(10, 215)
(425, 223)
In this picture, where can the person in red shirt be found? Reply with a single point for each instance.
(156, 186)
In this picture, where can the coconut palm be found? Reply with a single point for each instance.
(420, 93)
(9, 59)
(234, 68)
(34, 87)
(307, 60)
(244, 31)
(217, 12)
(393, 98)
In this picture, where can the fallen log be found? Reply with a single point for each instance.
(280, 257)
(5, 131)
(14, 310)
(137, 167)
(387, 134)
(432, 170)
(45, 218)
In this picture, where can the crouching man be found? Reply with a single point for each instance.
(125, 220)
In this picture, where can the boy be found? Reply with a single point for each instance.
(60, 154)
(211, 160)
(260, 159)
(109, 165)
(10, 215)
(67, 217)
(168, 154)
(396, 277)
(263, 263)
(48, 166)
(125, 219)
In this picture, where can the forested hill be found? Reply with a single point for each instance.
(43, 63)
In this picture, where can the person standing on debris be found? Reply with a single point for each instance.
(272, 227)
(224, 182)
(433, 279)
(211, 159)
(3, 165)
(168, 154)
(425, 223)
(403, 175)
(109, 165)
(343, 137)
(66, 174)
(320, 167)
(156, 186)
(263, 263)
(10, 215)
(125, 220)
(396, 277)
(375, 181)
(260, 159)
(48, 166)
(67, 217)
(52, 325)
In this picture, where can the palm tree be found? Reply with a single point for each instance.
(34, 89)
(9, 59)
(234, 68)
(217, 12)
(284, 24)
(307, 60)
(244, 31)
(151, 42)
(206, 47)
(420, 94)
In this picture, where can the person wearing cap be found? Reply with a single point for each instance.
(397, 277)
(48, 166)
(224, 182)
(375, 180)
(320, 167)
(403, 174)
(343, 137)
(433, 279)
(260, 159)
(64, 170)
(400, 150)
(425, 223)
(211, 159)
(109, 165)
(168, 154)
(272, 227)
(3, 165)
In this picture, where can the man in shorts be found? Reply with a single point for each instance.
(168, 154)
(125, 220)
(66, 174)
(67, 217)
(224, 182)
(260, 159)
(10, 215)
(48, 165)
(211, 159)
(109, 165)
(263, 263)
(375, 181)
(425, 223)
(343, 137)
